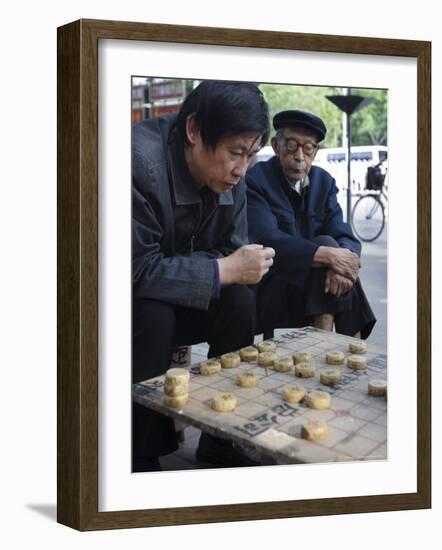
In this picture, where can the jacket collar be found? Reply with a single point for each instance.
(184, 189)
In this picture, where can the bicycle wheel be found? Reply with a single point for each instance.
(368, 218)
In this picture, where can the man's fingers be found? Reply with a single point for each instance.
(269, 251)
(266, 265)
(351, 274)
(346, 272)
(358, 259)
(327, 282)
(338, 289)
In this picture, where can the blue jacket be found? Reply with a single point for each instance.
(272, 222)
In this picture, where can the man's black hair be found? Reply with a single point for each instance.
(224, 108)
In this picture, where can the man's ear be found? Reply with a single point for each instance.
(275, 146)
(192, 131)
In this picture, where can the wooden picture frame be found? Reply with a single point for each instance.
(78, 273)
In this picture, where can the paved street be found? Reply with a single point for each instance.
(374, 280)
(374, 276)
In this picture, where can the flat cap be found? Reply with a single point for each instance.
(300, 119)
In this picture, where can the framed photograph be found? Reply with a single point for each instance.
(104, 70)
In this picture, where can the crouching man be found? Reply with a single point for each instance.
(191, 260)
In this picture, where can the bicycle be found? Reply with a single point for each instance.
(368, 212)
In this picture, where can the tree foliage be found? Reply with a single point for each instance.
(369, 126)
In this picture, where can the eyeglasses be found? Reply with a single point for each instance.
(308, 148)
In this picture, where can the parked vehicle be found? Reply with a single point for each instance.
(263, 154)
(334, 160)
(371, 154)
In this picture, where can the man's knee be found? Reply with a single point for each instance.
(232, 320)
(152, 316)
(154, 325)
(240, 299)
(325, 240)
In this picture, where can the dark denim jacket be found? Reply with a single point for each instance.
(174, 249)
(272, 220)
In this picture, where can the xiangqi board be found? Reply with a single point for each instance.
(262, 420)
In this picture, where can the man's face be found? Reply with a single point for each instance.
(221, 168)
(296, 152)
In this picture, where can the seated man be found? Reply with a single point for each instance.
(191, 260)
(293, 208)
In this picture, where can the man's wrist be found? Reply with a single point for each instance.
(225, 276)
(323, 256)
